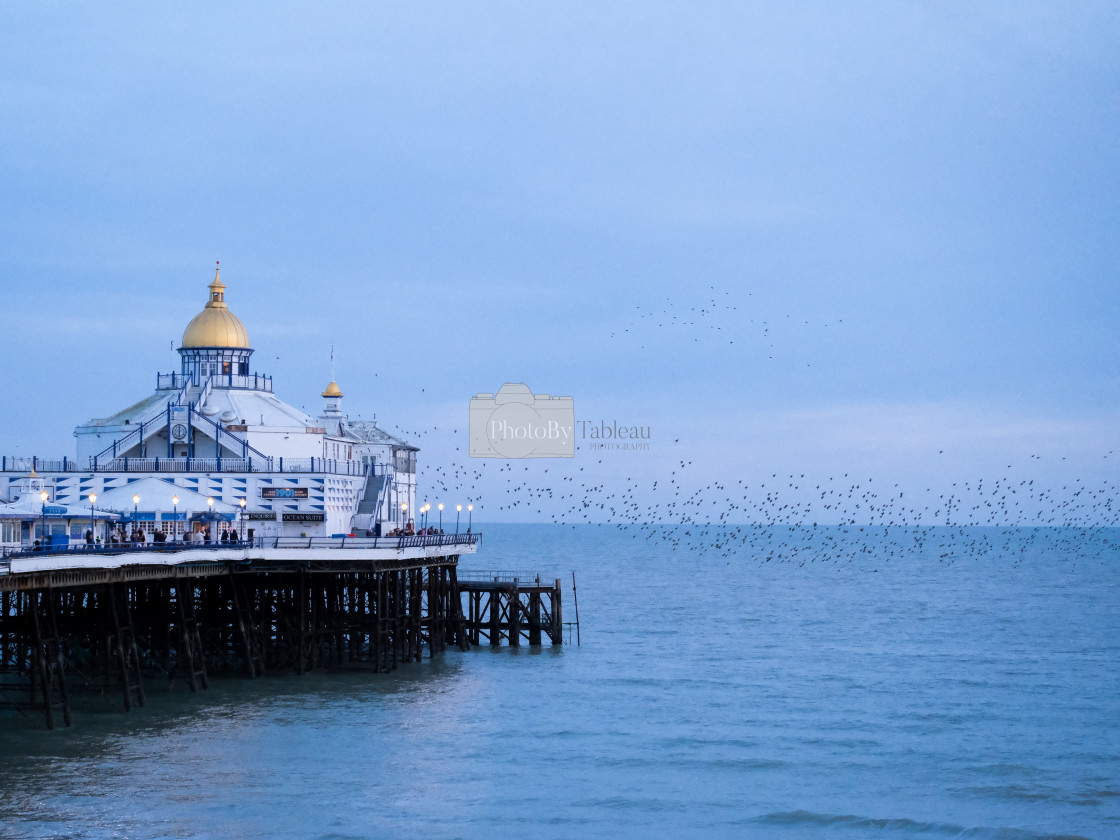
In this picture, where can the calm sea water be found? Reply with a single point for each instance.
(932, 684)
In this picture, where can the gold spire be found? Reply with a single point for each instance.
(217, 290)
(333, 390)
(215, 325)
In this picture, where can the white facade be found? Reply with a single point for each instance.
(213, 434)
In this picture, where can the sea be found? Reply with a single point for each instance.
(726, 682)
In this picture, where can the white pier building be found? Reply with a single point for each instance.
(213, 444)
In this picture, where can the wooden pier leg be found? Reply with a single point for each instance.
(191, 654)
(556, 631)
(369, 587)
(535, 618)
(379, 623)
(455, 602)
(415, 615)
(418, 618)
(5, 639)
(47, 663)
(314, 619)
(443, 605)
(402, 629)
(392, 637)
(124, 644)
(243, 621)
(431, 596)
(59, 661)
(265, 637)
(474, 606)
(353, 613)
(300, 613)
(133, 650)
(404, 618)
(495, 617)
(435, 624)
(40, 669)
(514, 615)
(338, 618)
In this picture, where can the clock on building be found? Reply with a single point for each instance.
(178, 431)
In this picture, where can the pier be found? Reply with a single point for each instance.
(512, 606)
(108, 621)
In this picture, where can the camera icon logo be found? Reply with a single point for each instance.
(516, 423)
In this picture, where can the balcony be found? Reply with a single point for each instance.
(251, 382)
(330, 466)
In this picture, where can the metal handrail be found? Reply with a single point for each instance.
(183, 393)
(504, 576)
(23, 463)
(248, 381)
(207, 387)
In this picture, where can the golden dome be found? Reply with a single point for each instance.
(333, 390)
(216, 326)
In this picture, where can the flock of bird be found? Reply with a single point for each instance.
(793, 517)
(713, 318)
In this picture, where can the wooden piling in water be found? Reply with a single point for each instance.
(111, 629)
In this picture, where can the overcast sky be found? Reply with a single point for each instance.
(875, 239)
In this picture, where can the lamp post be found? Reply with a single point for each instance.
(243, 520)
(135, 514)
(470, 510)
(210, 507)
(43, 528)
(458, 510)
(404, 515)
(441, 517)
(175, 514)
(92, 518)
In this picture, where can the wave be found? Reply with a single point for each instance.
(904, 826)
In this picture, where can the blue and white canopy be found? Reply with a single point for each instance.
(31, 507)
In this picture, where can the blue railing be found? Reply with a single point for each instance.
(251, 381)
(9, 463)
(160, 417)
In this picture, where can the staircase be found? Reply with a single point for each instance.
(366, 515)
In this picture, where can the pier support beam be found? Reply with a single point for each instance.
(48, 668)
(123, 642)
(110, 629)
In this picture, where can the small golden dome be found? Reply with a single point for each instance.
(333, 390)
(216, 326)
